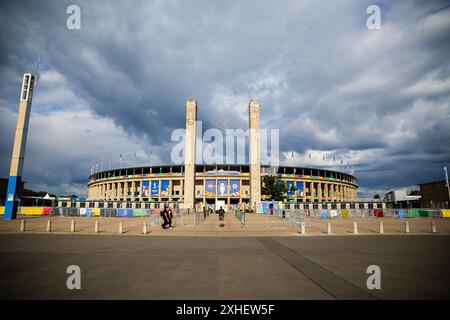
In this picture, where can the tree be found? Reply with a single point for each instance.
(273, 187)
(377, 196)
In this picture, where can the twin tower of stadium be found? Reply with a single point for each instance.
(192, 185)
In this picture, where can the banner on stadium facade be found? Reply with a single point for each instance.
(165, 187)
(155, 188)
(289, 186)
(210, 188)
(235, 188)
(299, 187)
(145, 189)
(223, 188)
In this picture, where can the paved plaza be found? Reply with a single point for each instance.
(164, 267)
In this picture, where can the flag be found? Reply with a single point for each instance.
(310, 155)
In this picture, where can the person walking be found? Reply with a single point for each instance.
(221, 217)
(165, 216)
(170, 217)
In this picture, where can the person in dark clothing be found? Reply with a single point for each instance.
(221, 217)
(165, 216)
(170, 217)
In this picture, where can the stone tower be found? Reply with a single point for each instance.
(255, 153)
(189, 154)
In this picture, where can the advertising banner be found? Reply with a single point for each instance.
(145, 189)
(289, 186)
(235, 188)
(155, 188)
(165, 188)
(223, 188)
(299, 187)
(210, 188)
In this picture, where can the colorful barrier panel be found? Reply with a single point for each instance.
(2, 210)
(31, 211)
(344, 213)
(401, 213)
(413, 213)
(333, 214)
(424, 213)
(96, 212)
(47, 211)
(445, 213)
(324, 214)
(128, 213)
(378, 213)
(140, 212)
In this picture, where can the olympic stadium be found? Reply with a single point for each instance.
(194, 185)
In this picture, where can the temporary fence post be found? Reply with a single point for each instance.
(72, 226)
(381, 227)
(96, 227)
(328, 228)
(302, 230)
(406, 226)
(355, 227)
(49, 226)
(144, 231)
(22, 225)
(120, 227)
(433, 227)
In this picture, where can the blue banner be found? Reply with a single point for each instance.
(235, 188)
(155, 188)
(289, 186)
(165, 187)
(223, 188)
(145, 189)
(210, 188)
(299, 187)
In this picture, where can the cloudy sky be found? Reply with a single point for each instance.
(379, 100)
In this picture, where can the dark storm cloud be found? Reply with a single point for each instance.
(378, 99)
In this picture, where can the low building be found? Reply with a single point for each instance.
(435, 195)
(401, 199)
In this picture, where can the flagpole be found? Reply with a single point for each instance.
(446, 181)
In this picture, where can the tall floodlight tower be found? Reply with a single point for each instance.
(20, 141)
(189, 154)
(255, 153)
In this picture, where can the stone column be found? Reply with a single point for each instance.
(189, 154)
(255, 153)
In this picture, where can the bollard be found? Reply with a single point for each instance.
(355, 227)
(433, 227)
(303, 229)
(120, 227)
(96, 227)
(406, 226)
(328, 228)
(72, 226)
(381, 227)
(22, 225)
(49, 226)
(144, 231)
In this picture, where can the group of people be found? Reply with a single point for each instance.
(167, 216)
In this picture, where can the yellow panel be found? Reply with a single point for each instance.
(96, 212)
(2, 210)
(344, 213)
(445, 213)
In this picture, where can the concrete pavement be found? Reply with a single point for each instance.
(165, 267)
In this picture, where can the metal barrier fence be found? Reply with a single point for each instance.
(240, 216)
(300, 215)
(198, 216)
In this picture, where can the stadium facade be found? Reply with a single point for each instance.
(193, 184)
